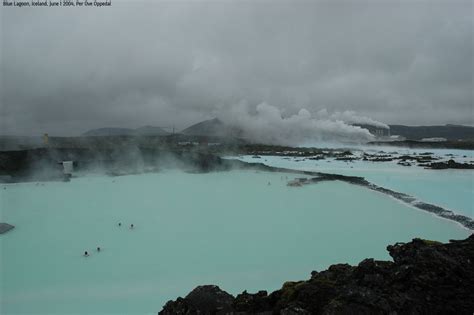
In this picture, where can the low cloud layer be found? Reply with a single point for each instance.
(65, 71)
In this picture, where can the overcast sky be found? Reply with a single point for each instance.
(68, 70)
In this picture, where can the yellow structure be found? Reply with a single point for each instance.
(45, 139)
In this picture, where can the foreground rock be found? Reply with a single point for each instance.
(5, 227)
(425, 277)
(206, 299)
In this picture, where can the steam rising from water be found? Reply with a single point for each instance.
(268, 125)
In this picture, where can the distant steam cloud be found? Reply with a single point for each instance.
(351, 117)
(267, 124)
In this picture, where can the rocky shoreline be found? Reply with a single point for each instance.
(426, 159)
(425, 277)
(450, 144)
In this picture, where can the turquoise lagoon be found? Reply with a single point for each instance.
(451, 188)
(241, 230)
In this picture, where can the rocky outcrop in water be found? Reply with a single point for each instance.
(456, 144)
(5, 227)
(425, 277)
(450, 164)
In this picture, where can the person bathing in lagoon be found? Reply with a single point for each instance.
(86, 254)
(98, 249)
(120, 224)
(131, 226)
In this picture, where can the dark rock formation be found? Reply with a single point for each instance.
(467, 144)
(404, 163)
(206, 299)
(422, 158)
(382, 159)
(449, 164)
(5, 227)
(349, 159)
(425, 277)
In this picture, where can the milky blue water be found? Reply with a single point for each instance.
(450, 188)
(232, 229)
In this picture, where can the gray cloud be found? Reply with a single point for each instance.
(64, 71)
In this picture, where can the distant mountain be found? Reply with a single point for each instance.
(108, 132)
(450, 132)
(150, 131)
(212, 128)
(142, 131)
(216, 128)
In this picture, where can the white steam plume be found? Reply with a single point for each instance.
(267, 125)
(351, 117)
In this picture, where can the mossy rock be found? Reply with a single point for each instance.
(429, 242)
(289, 290)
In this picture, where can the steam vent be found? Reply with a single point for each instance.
(5, 227)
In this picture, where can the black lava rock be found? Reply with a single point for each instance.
(5, 227)
(425, 277)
